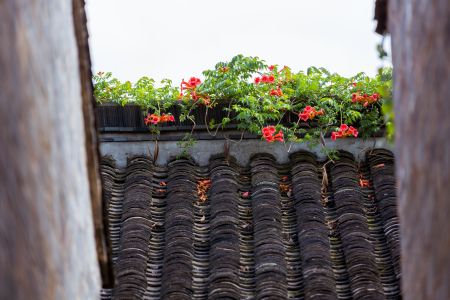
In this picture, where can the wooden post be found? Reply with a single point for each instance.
(421, 56)
(92, 151)
(47, 240)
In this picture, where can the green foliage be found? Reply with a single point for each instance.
(185, 145)
(253, 106)
(385, 91)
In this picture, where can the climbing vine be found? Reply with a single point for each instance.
(268, 100)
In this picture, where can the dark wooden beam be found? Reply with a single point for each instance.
(92, 152)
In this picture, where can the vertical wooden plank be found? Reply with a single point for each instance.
(46, 228)
(420, 44)
(92, 152)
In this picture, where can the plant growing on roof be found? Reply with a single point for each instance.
(277, 103)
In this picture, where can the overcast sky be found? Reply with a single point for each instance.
(177, 39)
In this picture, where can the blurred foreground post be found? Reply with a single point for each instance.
(420, 32)
(47, 245)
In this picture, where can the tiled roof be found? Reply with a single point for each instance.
(306, 230)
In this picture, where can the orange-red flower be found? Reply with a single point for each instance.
(268, 131)
(264, 79)
(270, 136)
(193, 81)
(279, 136)
(271, 67)
(310, 113)
(151, 119)
(155, 119)
(278, 92)
(190, 86)
(344, 131)
(365, 99)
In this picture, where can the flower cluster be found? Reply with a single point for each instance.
(310, 113)
(155, 119)
(190, 87)
(191, 84)
(365, 98)
(203, 186)
(265, 79)
(344, 131)
(270, 136)
(278, 92)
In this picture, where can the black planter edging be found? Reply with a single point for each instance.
(130, 118)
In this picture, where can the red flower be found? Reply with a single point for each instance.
(190, 85)
(270, 139)
(257, 80)
(194, 95)
(278, 92)
(245, 195)
(353, 131)
(185, 85)
(268, 130)
(304, 116)
(365, 99)
(151, 119)
(279, 136)
(310, 112)
(155, 119)
(335, 135)
(147, 120)
(354, 83)
(271, 67)
(344, 131)
(271, 78)
(194, 81)
(264, 79)
(268, 134)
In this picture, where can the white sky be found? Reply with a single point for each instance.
(177, 39)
